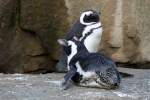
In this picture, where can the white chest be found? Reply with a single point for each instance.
(73, 52)
(92, 42)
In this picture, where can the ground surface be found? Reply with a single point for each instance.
(46, 87)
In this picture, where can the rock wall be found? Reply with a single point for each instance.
(29, 30)
(126, 25)
(28, 33)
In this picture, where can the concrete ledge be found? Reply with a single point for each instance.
(46, 87)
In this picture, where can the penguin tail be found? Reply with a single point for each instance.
(126, 75)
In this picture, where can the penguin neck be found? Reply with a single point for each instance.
(89, 29)
(82, 52)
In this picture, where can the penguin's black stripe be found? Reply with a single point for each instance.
(90, 32)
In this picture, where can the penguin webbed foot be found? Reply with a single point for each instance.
(67, 82)
(125, 75)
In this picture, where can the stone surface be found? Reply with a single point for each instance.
(21, 50)
(23, 54)
(48, 19)
(126, 40)
(46, 87)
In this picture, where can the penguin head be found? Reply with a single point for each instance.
(72, 46)
(68, 46)
(65, 45)
(89, 17)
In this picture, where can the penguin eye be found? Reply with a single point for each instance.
(91, 18)
(85, 16)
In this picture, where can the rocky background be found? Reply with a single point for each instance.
(29, 30)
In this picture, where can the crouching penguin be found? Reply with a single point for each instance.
(88, 69)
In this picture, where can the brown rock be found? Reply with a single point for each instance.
(48, 19)
(21, 57)
(21, 51)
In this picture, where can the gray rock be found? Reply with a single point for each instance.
(46, 87)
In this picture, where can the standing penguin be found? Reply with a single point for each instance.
(87, 27)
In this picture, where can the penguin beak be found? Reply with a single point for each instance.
(75, 38)
(62, 42)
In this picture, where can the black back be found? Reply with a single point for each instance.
(76, 30)
(90, 61)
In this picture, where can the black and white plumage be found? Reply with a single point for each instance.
(88, 18)
(101, 69)
(88, 28)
